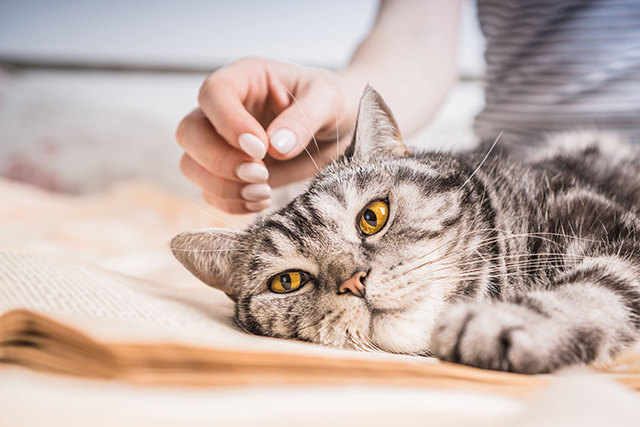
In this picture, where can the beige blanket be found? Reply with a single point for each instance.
(127, 230)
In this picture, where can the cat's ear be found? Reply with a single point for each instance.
(209, 254)
(377, 132)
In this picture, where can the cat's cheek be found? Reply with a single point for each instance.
(405, 332)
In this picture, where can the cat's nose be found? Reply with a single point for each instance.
(355, 284)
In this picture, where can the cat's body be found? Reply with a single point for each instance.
(524, 266)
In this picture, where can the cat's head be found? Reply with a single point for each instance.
(367, 257)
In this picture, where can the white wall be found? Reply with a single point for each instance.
(197, 33)
(194, 33)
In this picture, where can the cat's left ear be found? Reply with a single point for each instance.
(377, 132)
(210, 255)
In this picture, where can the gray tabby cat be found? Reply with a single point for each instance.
(516, 266)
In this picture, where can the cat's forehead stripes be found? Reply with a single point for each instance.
(298, 227)
(337, 196)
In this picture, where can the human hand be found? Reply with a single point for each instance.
(254, 108)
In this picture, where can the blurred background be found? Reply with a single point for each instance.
(91, 92)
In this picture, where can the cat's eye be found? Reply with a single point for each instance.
(374, 217)
(289, 281)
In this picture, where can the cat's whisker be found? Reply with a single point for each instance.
(505, 237)
(539, 256)
(306, 119)
(209, 214)
(541, 236)
(303, 146)
(220, 238)
(532, 234)
(482, 162)
(518, 262)
(313, 137)
(482, 243)
(534, 267)
(208, 250)
(236, 245)
(335, 109)
(541, 261)
(237, 321)
(485, 269)
(478, 274)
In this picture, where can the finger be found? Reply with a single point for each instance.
(222, 100)
(235, 207)
(209, 183)
(301, 166)
(296, 126)
(203, 145)
(220, 187)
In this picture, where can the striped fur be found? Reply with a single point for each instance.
(528, 266)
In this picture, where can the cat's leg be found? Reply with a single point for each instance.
(585, 316)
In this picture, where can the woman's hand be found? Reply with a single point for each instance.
(256, 119)
(256, 107)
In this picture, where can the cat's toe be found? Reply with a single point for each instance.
(490, 337)
(527, 353)
(450, 330)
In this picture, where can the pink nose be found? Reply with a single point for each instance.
(355, 284)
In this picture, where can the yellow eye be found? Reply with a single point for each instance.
(374, 217)
(287, 282)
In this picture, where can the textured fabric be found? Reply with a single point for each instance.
(556, 65)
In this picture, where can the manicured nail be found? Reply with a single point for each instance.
(283, 140)
(252, 172)
(256, 192)
(252, 145)
(257, 206)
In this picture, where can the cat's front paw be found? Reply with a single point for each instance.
(497, 336)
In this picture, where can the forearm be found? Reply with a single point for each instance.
(409, 57)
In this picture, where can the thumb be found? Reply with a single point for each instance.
(295, 127)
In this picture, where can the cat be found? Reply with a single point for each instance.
(522, 265)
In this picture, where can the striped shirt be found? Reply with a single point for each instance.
(557, 65)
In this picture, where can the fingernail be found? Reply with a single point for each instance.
(283, 140)
(256, 192)
(257, 206)
(252, 172)
(252, 145)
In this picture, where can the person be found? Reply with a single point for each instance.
(551, 66)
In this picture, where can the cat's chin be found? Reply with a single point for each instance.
(403, 332)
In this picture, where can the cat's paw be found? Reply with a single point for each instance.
(497, 336)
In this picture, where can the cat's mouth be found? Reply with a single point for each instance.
(384, 311)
